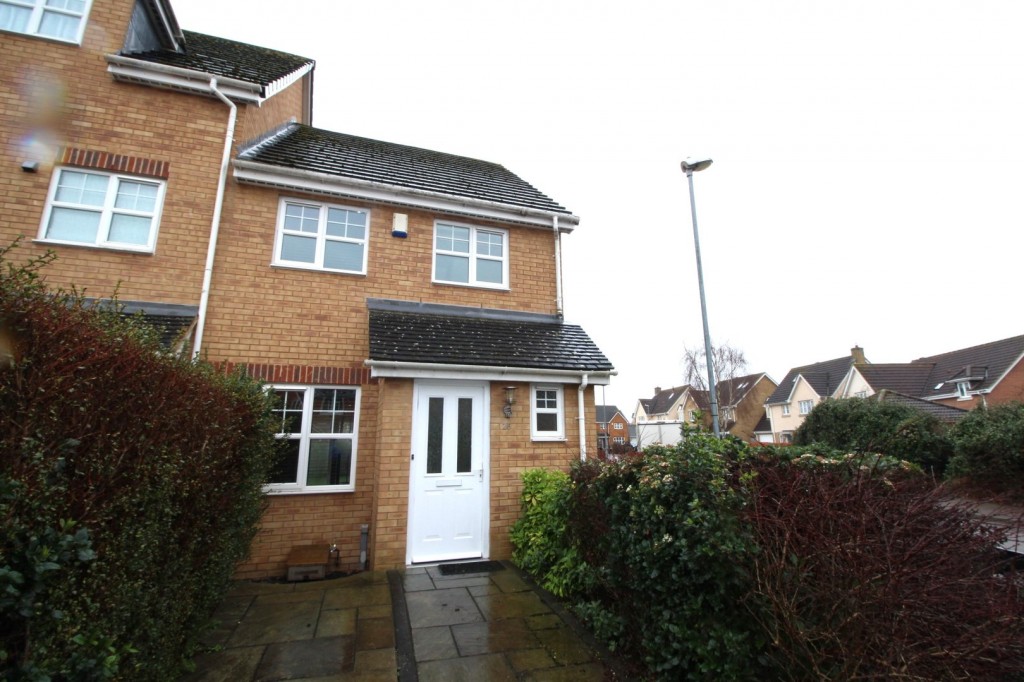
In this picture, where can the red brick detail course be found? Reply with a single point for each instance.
(121, 163)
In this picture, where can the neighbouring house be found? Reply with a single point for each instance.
(804, 387)
(741, 404)
(612, 430)
(987, 374)
(404, 305)
(659, 419)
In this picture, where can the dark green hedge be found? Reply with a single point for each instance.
(865, 425)
(713, 560)
(130, 488)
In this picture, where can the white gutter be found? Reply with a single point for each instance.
(582, 420)
(218, 205)
(326, 183)
(175, 77)
(558, 266)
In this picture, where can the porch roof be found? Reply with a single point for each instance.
(425, 333)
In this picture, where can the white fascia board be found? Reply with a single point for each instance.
(283, 83)
(331, 185)
(418, 370)
(186, 80)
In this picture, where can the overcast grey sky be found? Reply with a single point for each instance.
(867, 156)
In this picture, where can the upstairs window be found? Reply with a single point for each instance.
(785, 409)
(320, 426)
(470, 255)
(321, 237)
(806, 406)
(102, 209)
(58, 19)
(547, 418)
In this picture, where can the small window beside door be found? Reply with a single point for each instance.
(547, 413)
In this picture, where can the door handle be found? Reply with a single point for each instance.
(481, 472)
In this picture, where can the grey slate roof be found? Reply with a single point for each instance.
(944, 413)
(663, 400)
(983, 365)
(905, 378)
(605, 413)
(228, 59)
(824, 378)
(307, 148)
(171, 320)
(452, 335)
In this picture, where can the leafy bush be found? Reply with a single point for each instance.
(130, 487)
(540, 542)
(864, 425)
(662, 535)
(867, 572)
(989, 447)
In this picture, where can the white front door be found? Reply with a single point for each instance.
(448, 482)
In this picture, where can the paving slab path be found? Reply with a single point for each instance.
(409, 625)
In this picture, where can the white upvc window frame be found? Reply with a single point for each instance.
(40, 10)
(617, 426)
(321, 238)
(963, 390)
(785, 409)
(541, 397)
(475, 239)
(806, 406)
(305, 436)
(107, 211)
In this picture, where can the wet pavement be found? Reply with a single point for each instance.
(409, 625)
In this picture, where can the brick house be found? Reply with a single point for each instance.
(612, 429)
(404, 305)
(987, 374)
(801, 389)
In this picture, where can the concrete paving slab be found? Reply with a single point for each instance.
(364, 595)
(517, 605)
(228, 665)
(441, 607)
(492, 668)
(304, 659)
(431, 644)
(336, 622)
(493, 637)
(276, 622)
(375, 633)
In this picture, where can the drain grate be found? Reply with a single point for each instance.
(467, 567)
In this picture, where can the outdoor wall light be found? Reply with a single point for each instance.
(510, 400)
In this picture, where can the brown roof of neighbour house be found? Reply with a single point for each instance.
(944, 413)
(605, 413)
(824, 378)
(228, 59)
(407, 332)
(304, 147)
(663, 400)
(905, 378)
(981, 366)
(731, 391)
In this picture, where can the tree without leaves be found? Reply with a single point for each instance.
(727, 362)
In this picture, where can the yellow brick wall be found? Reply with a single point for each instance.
(262, 313)
(62, 96)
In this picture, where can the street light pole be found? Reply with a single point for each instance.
(689, 166)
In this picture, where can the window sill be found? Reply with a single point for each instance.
(100, 247)
(468, 285)
(549, 439)
(310, 268)
(36, 36)
(308, 491)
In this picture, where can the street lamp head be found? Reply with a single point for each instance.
(694, 163)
